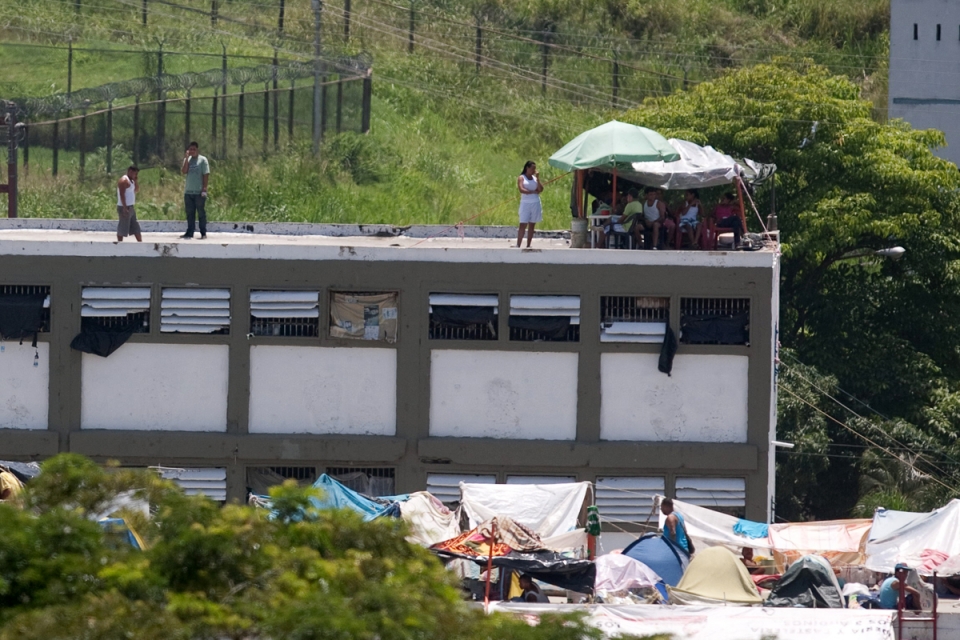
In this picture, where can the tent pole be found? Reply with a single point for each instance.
(743, 216)
(584, 195)
(579, 193)
(492, 541)
(613, 196)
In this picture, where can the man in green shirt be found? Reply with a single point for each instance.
(197, 169)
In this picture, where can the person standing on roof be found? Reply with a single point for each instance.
(531, 210)
(674, 528)
(127, 189)
(197, 169)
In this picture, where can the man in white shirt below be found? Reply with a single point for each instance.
(127, 190)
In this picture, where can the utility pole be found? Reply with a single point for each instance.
(317, 9)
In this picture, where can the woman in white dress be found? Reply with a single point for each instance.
(531, 211)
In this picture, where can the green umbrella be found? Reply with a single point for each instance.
(612, 144)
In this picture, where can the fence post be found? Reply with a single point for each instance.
(346, 21)
(11, 160)
(546, 62)
(316, 125)
(280, 19)
(161, 105)
(339, 101)
(684, 78)
(109, 137)
(616, 77)
(186, 120)
(26, 149)
(213, 13)
(241, 108)
(323, 107)
(266, 116)
(293, 88)
(276, 101)
(136, 131)
(83, 143)
(69, 87)
(76, 4)
(413, 21)
(223, 106)
(213, 129)
(143, 13)
(367, 94)
(56, 146)
(479, 44)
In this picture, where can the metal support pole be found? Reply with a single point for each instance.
(213, 14)
(213, 127)
(161, 106)
(323, 107)
(367, 95)
(69, 88)
(546, 62)
(413, 22)
(223, 106)
(266, 116)
(143, 13)
(293, 89)
(280, 18)
(136, 131)
(339, 103)
(317, 129)
(26, 149)
(479, 44)
(11, 185)
(186, 120)
(616, 77)
(56, 147)
(109, 137)
(241, 117)
(83, 145)
(346, 21)
(276, 101)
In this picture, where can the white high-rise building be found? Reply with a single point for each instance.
(925, 68)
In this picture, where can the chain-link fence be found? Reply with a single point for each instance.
(231, 111)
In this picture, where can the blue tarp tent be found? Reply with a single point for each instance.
(665, 558)
(119, 528)
(338, 496)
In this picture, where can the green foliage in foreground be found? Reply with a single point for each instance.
(232, 572)
(846, 185)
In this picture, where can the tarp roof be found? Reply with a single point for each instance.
(617, 572)
(428, 520)
(710, 528)
(715, 576)
(666, 559)
(886, 521)
(338, 496)
(548, 509)
(936, 530)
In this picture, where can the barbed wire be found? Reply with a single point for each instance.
(357, 65)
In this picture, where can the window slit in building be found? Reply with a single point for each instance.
(938, 32)
(915, 32)
(715, 321)
(370, 481)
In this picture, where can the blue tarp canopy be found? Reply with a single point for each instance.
(666, 559)
(337, 496)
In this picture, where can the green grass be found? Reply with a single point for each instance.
(446, 143)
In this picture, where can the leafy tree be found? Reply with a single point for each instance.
(233, 572)
(847, 185)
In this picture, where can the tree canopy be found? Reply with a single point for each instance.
(231, 572)
(847, 186)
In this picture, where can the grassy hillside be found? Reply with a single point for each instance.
(446, 141)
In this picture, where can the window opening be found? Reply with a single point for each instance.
(715, 321)
(628, 499)
(118, 308)
(446, 486)
(545, 318)
(209, 482)
(285, 313)
(916, 32)
(370, 481)
(456, 316)
(725, 494)
(195, 310)
(938, 32)
(364, 316)
(640, 319)
(260, 479)
(26, 310)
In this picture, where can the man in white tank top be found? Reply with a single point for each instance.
(127, 189)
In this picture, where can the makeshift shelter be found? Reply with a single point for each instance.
(500, 542)
(841, 542)
(886, 521)
(715, 576)
(337, 496)
(710, 528)
(548, 509)
(617, 572)
(118, 529)
(24, 471)
(666, 559)
(428, 520)
(935, 531)
(810, 583)
(613, 144)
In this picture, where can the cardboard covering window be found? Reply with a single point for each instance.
(190, 310)
(364, 316)
(446, 486)
(726, 493)
(622, 499)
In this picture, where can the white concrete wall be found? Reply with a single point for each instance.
(924, 76)
(503, 394)
(24, 388)
(156, 387)
(704, 400)
(323, 390)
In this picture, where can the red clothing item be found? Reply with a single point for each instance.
(723, 211)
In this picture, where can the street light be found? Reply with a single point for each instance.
(892, 253)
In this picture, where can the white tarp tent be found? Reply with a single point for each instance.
(886, 521)
(936, 530)
(617, 572)
(710, 528)
(548, 509)
(722, 623)
(698, 168)
(428, 519)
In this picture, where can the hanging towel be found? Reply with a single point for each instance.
(751, 529)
